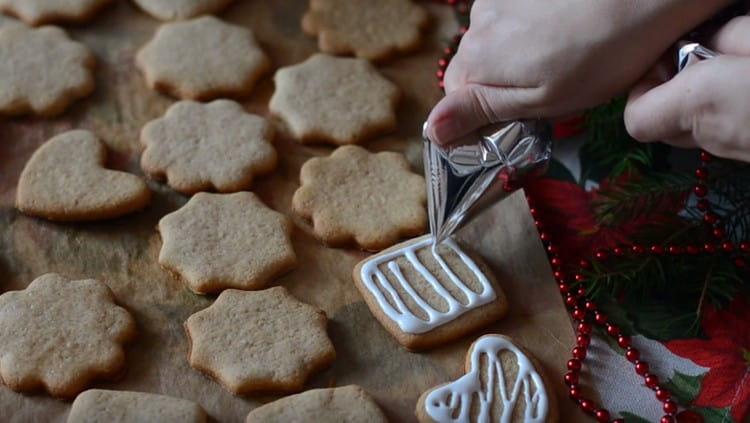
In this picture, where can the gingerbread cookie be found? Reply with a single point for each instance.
(372, 199)
(502, 384)
(371, 30)
(39, 12)
(99, 405)
(215, 146)
(65, 180)
(234, 241)
(334, 100)
(60, 334)
(263, 341)
(202, 59)
(349, 404)
(426, 295)
(172, 10)
(42, 70)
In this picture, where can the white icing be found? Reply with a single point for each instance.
(453, 402)
(406, 320)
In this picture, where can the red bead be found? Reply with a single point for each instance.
(651, 380)
(692, 250)
(575, 392)
(579, 353)
(448, 51)
(727, 246)
(571, 300)
(564, 288)
(745, 247)
(581, 292)
(462, 8)
(687, 416)
(442, 63)
(709, 248)
(632, 354)
(674, 250)
(586, 405)
(623, 341)
(463, 30)
(602, 415)
(700, 190)
(657, 250)
(555, 262)
(638, 249)
(618, 251)
(440, 74)
(590, 305)
(584, 328)
(571, 378)
(710, 218)
(583, 340)
(612, 330)
(600, 318)
(703, 205)
(618, 421)
(601, 255)
(534, 212)
(667, 419)
(579, 314)
(441, 84)
(641, 367)
(552, 249)
(719, 233)
(584, 264)
(574, 364)
(579, 277)
(662, 394)
(670, 407)
(559, 275)
(544, 236)
(701, 173)
(706, 156)
(740, 262)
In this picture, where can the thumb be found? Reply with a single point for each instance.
(734, 37)
(473, 106)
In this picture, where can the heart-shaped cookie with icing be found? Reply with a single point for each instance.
(66, 180)
(502, 384)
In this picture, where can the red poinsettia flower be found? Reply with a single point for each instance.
(727, 353)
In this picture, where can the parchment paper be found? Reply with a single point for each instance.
(123, 252)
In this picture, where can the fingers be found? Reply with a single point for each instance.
(734, 37)
(472, 106)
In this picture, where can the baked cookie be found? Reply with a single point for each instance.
(334, 100)
(173, 10)
(426, 295)
(372, 199)
(502, 384)
(215, 146)
(234, 241)
(372, 30)
(263, 341)
(349, 404)
(42, 70)
(65, 180)
(60, 334)
(99, 406)
(202, 59)
(39, 12)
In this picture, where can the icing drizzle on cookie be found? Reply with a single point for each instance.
(379, 286)
(453, 402)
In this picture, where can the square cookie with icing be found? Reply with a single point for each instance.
(427, 295)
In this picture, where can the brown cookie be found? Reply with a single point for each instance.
(234, 241)
(502, 383)
(174, 10)
(65, 180)
(39, 12)
(215, 146)
(427, 296)
(372, 199)
(349, 404)
(334, 100)
(202, 59)
(262, 341)
(60, 334)
(42, 70)
(372, 30)
(100, 405)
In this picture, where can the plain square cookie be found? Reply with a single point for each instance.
(502, 383)
(219, 241)
(42, 70)
(334, 100)
(202, 59)
(372, 199)
(214, 146)
(372, 30)
(105, 406)
(39, 12)
(60, 334)
(65, 180)
(261, 341)
(426, 296)
(350, 404)
(173, 10)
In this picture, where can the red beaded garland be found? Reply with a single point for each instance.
(667, 419)
(651, 380)
(602, 415)
(632, 354)
(662, 394)
(670, 407)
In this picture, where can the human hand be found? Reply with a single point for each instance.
(706, 106)
(549, 58)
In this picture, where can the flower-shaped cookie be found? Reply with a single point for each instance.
(233, 241)
(264, 341)
(172, 10)
(42, 70)
(354, 195)
(38, 12)
(202, 59)
(60, 334)
(199, 147)
(334, 100)
(369, 29)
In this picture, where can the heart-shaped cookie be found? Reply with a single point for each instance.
(65, 180)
